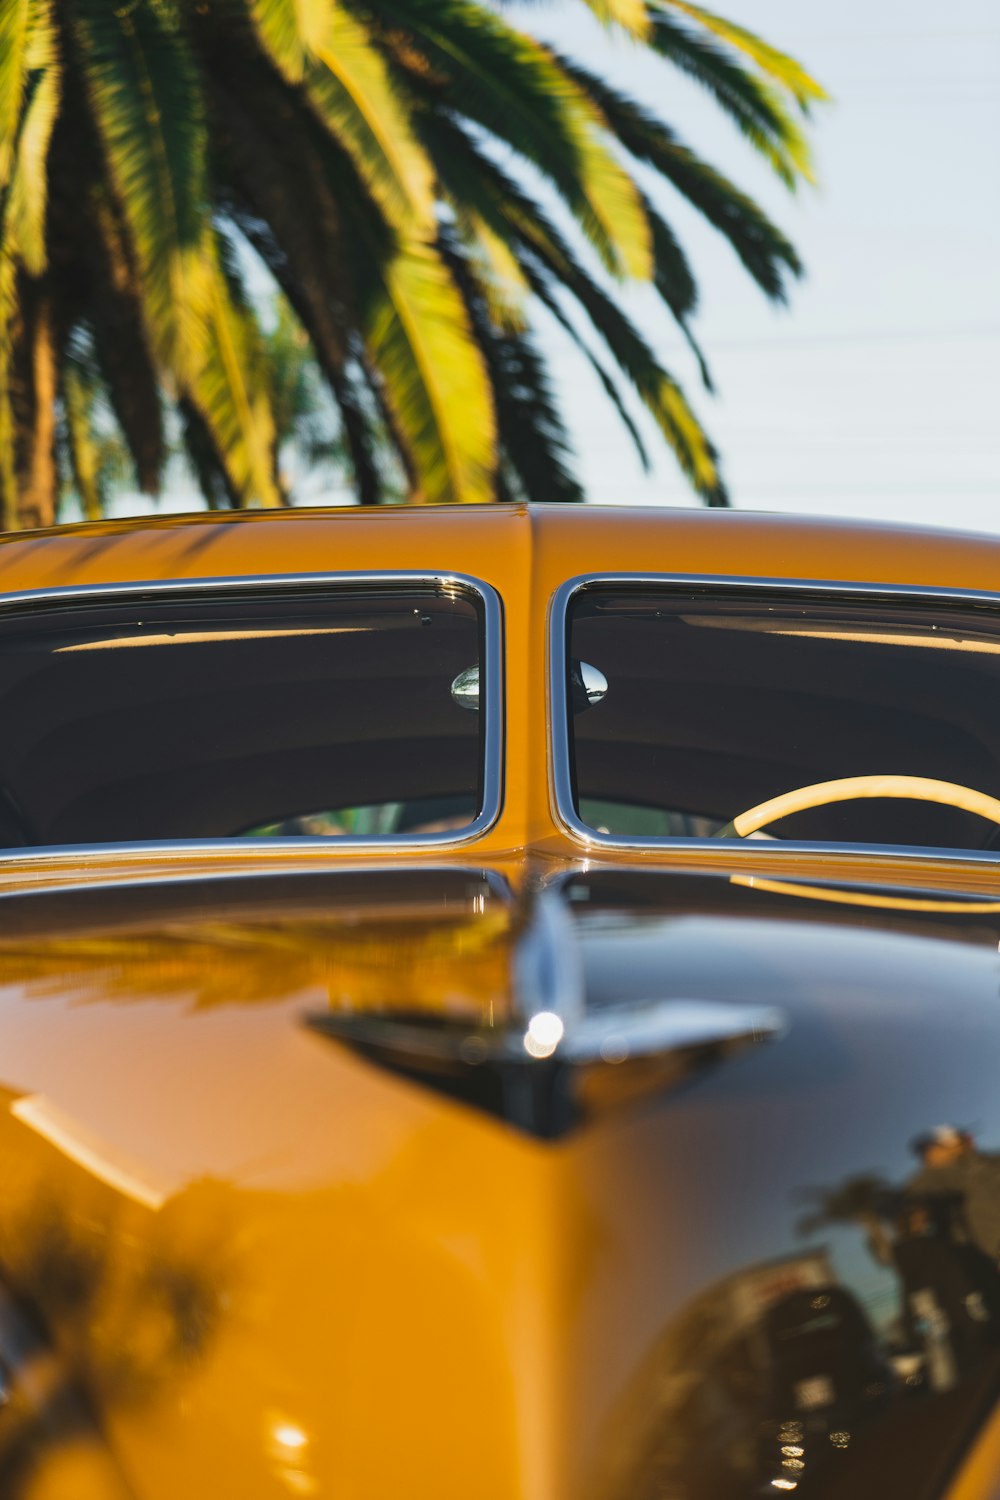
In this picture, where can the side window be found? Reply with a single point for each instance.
(752, 713)
(321, 709)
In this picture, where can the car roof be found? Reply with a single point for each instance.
(505, 545)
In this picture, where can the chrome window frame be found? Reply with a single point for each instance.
(444, 584)
(560, 768)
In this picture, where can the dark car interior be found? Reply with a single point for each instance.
(718, 701)
(204, 716)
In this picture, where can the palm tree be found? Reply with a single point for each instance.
(415, 175)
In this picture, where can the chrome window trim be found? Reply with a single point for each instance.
(28, 601)
(560, 771)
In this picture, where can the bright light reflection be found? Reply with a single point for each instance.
(545, 1032)
(831, 632)
(785, 1484)
(970, 906)
(93, 1155)
(199, 637)
(290, 1437)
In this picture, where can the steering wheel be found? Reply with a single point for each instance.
(849, 788)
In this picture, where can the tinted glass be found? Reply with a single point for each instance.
(719, 703)
(313, 712)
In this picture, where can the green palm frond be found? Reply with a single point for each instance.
(8, 477)
(675, 283)
(764, 250)
(756, 106)
(291, 29)
(514, 87)
(328, 53)
(84, 453)
(535, 448)
(434, 378)
(781, 69)
(203, 458)
(548, 298)
(658, 390)
(503, 284)
(148, 109)
(93, 449)
(15, 35)
(122, 349)
(631, 15)
(26, 208)
(359, 103)
(550, 265)
(228, 390)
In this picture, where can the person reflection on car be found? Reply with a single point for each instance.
(950, 1290)
(954, 1169)
(946, 1220)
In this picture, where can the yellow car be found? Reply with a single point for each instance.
(499, 1004)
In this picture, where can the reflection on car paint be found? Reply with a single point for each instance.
(857, 1357)
(813, 1312)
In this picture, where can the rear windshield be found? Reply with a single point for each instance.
(725, 714)
(307, 712)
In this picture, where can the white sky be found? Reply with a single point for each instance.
(877, 393)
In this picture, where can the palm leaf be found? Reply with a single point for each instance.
(327, 51)
(658, 390)
(360, 429)
(270, 173)
(8, 476)
(202, 454)
(675, 283)
(503, 282)
(631, 15)
(757, 108)
(534, 444)
(147, 107)
(228, 389)
(351, 91)
(15, 34)
(121, 344)
(511, 85)
(547, 258)
(778, 66)
(764, 251)
(302, 252)
(291, 29)
(26, 209)
(82, 445)
(546, 294)
(362, 437)
(434, 378)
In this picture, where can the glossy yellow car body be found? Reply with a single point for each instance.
(266, 1268)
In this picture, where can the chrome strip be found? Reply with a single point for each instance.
(560, 772)
(28, 601)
